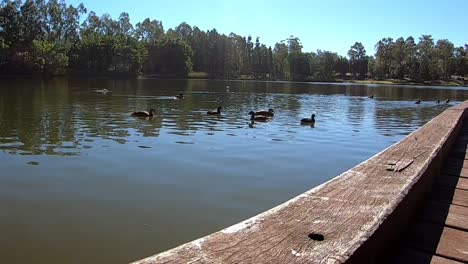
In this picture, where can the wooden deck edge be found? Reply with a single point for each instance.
(359, 214)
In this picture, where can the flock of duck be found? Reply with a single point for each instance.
(417, 102)
(437, 102)
(261, 116)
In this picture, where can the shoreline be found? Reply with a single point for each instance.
(451, 83)
(433, 83)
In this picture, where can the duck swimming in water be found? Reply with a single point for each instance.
(310, 120)
(270, 113)
(258, 118)
(447, 101)
(180, 96)
(438, 101)
(418, 102)
(144, 113)
(217, 112)
(102, 91)
(371, 96)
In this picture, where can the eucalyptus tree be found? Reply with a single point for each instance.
(169, 57)
(461, 60)
(427, 69)
(384, 57)
(358, 60)
(280, 62)
(149, 30)
(444, 54)
(412, 61)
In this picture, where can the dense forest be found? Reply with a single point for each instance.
(51, 38)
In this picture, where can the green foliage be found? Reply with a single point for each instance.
(358, 60)
(49, 57)
(169, 57)
(46, 36)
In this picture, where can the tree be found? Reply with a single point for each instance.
(49, 58)
(341, 66)
(149, 30)
(169, 57)
(358, 60)
(280, 63)
(444, 52)
(384, 57)
(411, 59)
(427, 69)
(326, 61)
(461, 60)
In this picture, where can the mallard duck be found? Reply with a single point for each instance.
(258, 118)
(180, 96)
(310, 120)
(217, 112)
(144, 113)
(418, 102)
(371, 96)
(270, 113)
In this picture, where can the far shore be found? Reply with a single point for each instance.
(451, 83)
(443, 83)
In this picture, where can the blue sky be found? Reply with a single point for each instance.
(332, 25)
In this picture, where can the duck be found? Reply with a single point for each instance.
(217, 112)
(180, 96)
(258, 118)
(418, 102)
(144, 113)
(269, 113)
(438, 101)
(447, 101)
(103, 91)
(310, 120)
(371, 96)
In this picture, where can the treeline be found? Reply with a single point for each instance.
(46, 37)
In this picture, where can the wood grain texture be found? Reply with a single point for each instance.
(347, 210)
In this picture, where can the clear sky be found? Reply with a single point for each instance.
(332, 25)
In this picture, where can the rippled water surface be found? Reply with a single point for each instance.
(82, 181)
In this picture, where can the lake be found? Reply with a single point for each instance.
(82, 181)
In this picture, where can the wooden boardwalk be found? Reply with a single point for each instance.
(440, 232)
(362, 215)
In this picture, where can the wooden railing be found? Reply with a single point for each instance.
(356, 217)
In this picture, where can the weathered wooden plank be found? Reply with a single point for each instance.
(455, 171)
(460, 147)
(459, 154)
(333, 222)
(457, 162)
(450, 195)
(452, 182)
(446, 214)
(443, 241)
(411, 256)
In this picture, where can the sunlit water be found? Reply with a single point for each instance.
(82, 181)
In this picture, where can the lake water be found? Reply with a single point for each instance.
(82, 181)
